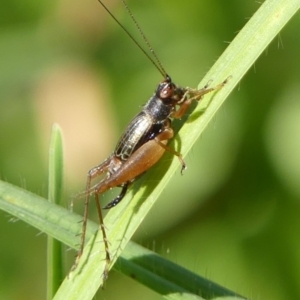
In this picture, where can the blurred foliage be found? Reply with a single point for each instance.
(233, 216)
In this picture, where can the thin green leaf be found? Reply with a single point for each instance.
(147, 267)
(55, 272)
(165, 277)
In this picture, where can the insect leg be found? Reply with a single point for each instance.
(198, 94)
(165, 135)
(93, 173)
(105, 240)
(193, 94)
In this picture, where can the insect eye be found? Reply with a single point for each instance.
(166, 91)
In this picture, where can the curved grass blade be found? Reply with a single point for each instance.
(145, 266)
(55, 272)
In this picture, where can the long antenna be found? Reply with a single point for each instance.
(155, 62)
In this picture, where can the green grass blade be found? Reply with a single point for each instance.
(145, 266)
(55, 272)
(122, 221)
(56, 164)
(165, 277)
(48, 217)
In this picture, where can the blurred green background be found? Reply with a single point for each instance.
(234, 215)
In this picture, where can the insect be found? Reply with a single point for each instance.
(143, 142)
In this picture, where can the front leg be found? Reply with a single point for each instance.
(193, 94)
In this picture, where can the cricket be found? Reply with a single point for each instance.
(143, 142)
